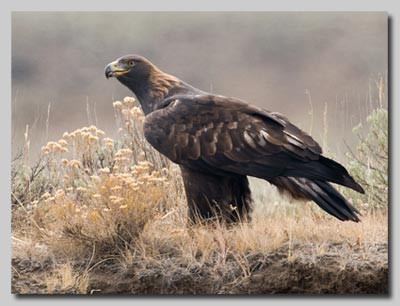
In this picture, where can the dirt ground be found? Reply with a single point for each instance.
(342, 269)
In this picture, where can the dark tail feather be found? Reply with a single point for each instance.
(325, 169)
(322, 193)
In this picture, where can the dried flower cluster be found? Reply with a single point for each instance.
(107, 189)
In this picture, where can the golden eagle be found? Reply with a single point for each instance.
(219, 141)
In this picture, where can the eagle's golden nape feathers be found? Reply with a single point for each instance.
(219, 141)
(161, 83)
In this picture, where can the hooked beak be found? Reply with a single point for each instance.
(112, 70)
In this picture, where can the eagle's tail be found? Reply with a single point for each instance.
(322, 193)
(325, 169)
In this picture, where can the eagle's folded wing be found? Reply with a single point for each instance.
(226, 135)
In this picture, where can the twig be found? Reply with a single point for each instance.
(19, 240)
(48, 121)
(311, 112)
(91, 258)
(88, 111)
(362, 163)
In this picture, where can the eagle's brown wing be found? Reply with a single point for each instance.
(223, 135)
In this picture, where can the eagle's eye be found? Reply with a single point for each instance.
(131, 63)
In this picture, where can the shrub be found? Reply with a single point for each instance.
(92, 189)
(369, 164)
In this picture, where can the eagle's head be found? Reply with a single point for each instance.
(129, 67)
(145, 80)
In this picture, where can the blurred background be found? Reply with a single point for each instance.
(321, 70)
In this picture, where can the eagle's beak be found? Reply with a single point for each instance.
(112, 69)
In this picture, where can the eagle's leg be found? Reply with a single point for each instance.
(210, 196)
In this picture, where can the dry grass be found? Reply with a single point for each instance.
(112, 218)
(169, 257)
